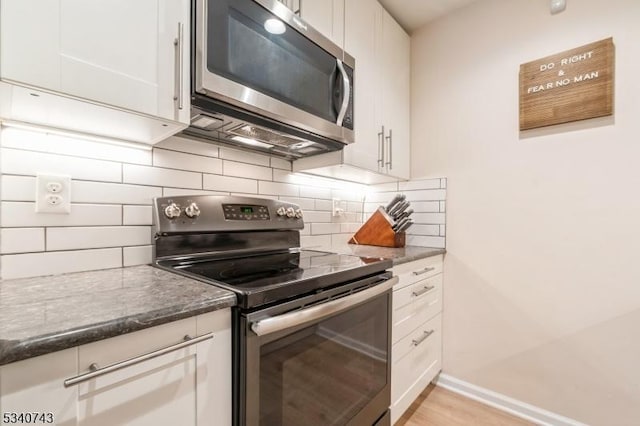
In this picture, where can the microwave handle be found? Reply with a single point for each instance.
(346, 93)
(315, 313)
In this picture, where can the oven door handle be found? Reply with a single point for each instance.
(292, 319)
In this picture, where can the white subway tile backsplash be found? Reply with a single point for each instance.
(276, 188)
(19, 214)
(19, 188)
(429, 218)
(425, 206)
(419, 184)
(244, 156)
(325, 228)
(48, 263)
(304, 203)
(424, 241)
(140, 255)
(326, 205)
(315, 216)
(426, 195)
(443, 183)
(30, 163)
(182, 161)
(144, 175)
(315, 192)
(21, 240)
(70, 238)
(173, 192)
(243, 170)
(384, 187)
(113, 187)
(137, 215)
(347, 195)
(443, 230)
(65, 145)
(230, 184)
(433, 230)
(189, 146)
(279, 163)
(112, 193)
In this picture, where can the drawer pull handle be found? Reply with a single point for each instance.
(95, 370)
(424, 271)
(424, 337)
(425, 289)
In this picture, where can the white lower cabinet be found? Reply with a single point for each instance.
(416, 353)
(187, 386)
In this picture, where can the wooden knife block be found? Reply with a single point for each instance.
(377, 232)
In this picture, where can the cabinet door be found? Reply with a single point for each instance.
(174, 35)
(326, 16)
(36, 385)
(396, 96)
(109, 50)
(361, 41)
(161, 390)
(29, 43)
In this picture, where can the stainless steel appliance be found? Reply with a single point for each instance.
(264, 79)
(312, 329)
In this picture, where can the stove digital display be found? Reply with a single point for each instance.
(244, 212)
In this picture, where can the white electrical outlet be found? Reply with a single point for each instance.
(338, 209)
(53, 194)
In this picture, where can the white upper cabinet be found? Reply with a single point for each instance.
(326, 16)
(381, 151)
(393, 111)
(132, 56)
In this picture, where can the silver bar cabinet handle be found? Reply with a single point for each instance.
(179, 44)
(424, 271)
(390, 139)
(346, 95)
(381, 156)
(95, 370)
(282, 322)
(424, 290)
(424, 337)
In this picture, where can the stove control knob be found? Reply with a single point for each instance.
(192, 210)
(172, 211)
(281, 211)
(298, 214)
(291, 212)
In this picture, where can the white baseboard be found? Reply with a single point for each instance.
(501, 402)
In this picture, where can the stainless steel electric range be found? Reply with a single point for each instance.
(312, 329)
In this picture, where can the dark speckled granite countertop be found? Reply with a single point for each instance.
(46, 314)
(398, 255)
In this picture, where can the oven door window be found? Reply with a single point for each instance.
(286, 66)
(326, 373)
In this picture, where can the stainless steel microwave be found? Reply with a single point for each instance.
(264, 79)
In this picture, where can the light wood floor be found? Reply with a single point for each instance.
(439, 407)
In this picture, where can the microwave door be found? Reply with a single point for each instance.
(283, 75)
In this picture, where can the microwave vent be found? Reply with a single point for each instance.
(269, 136)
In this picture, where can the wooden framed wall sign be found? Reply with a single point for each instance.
(569, 86)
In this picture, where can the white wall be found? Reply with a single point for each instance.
(542, 299)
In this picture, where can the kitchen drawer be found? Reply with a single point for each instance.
(415, 362)
(412, 272)
(416, 292)
(115, 349)
(417, 311)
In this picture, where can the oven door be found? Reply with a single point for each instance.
(328, 364)
(258, 55)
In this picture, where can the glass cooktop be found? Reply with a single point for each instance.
(270, 277)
